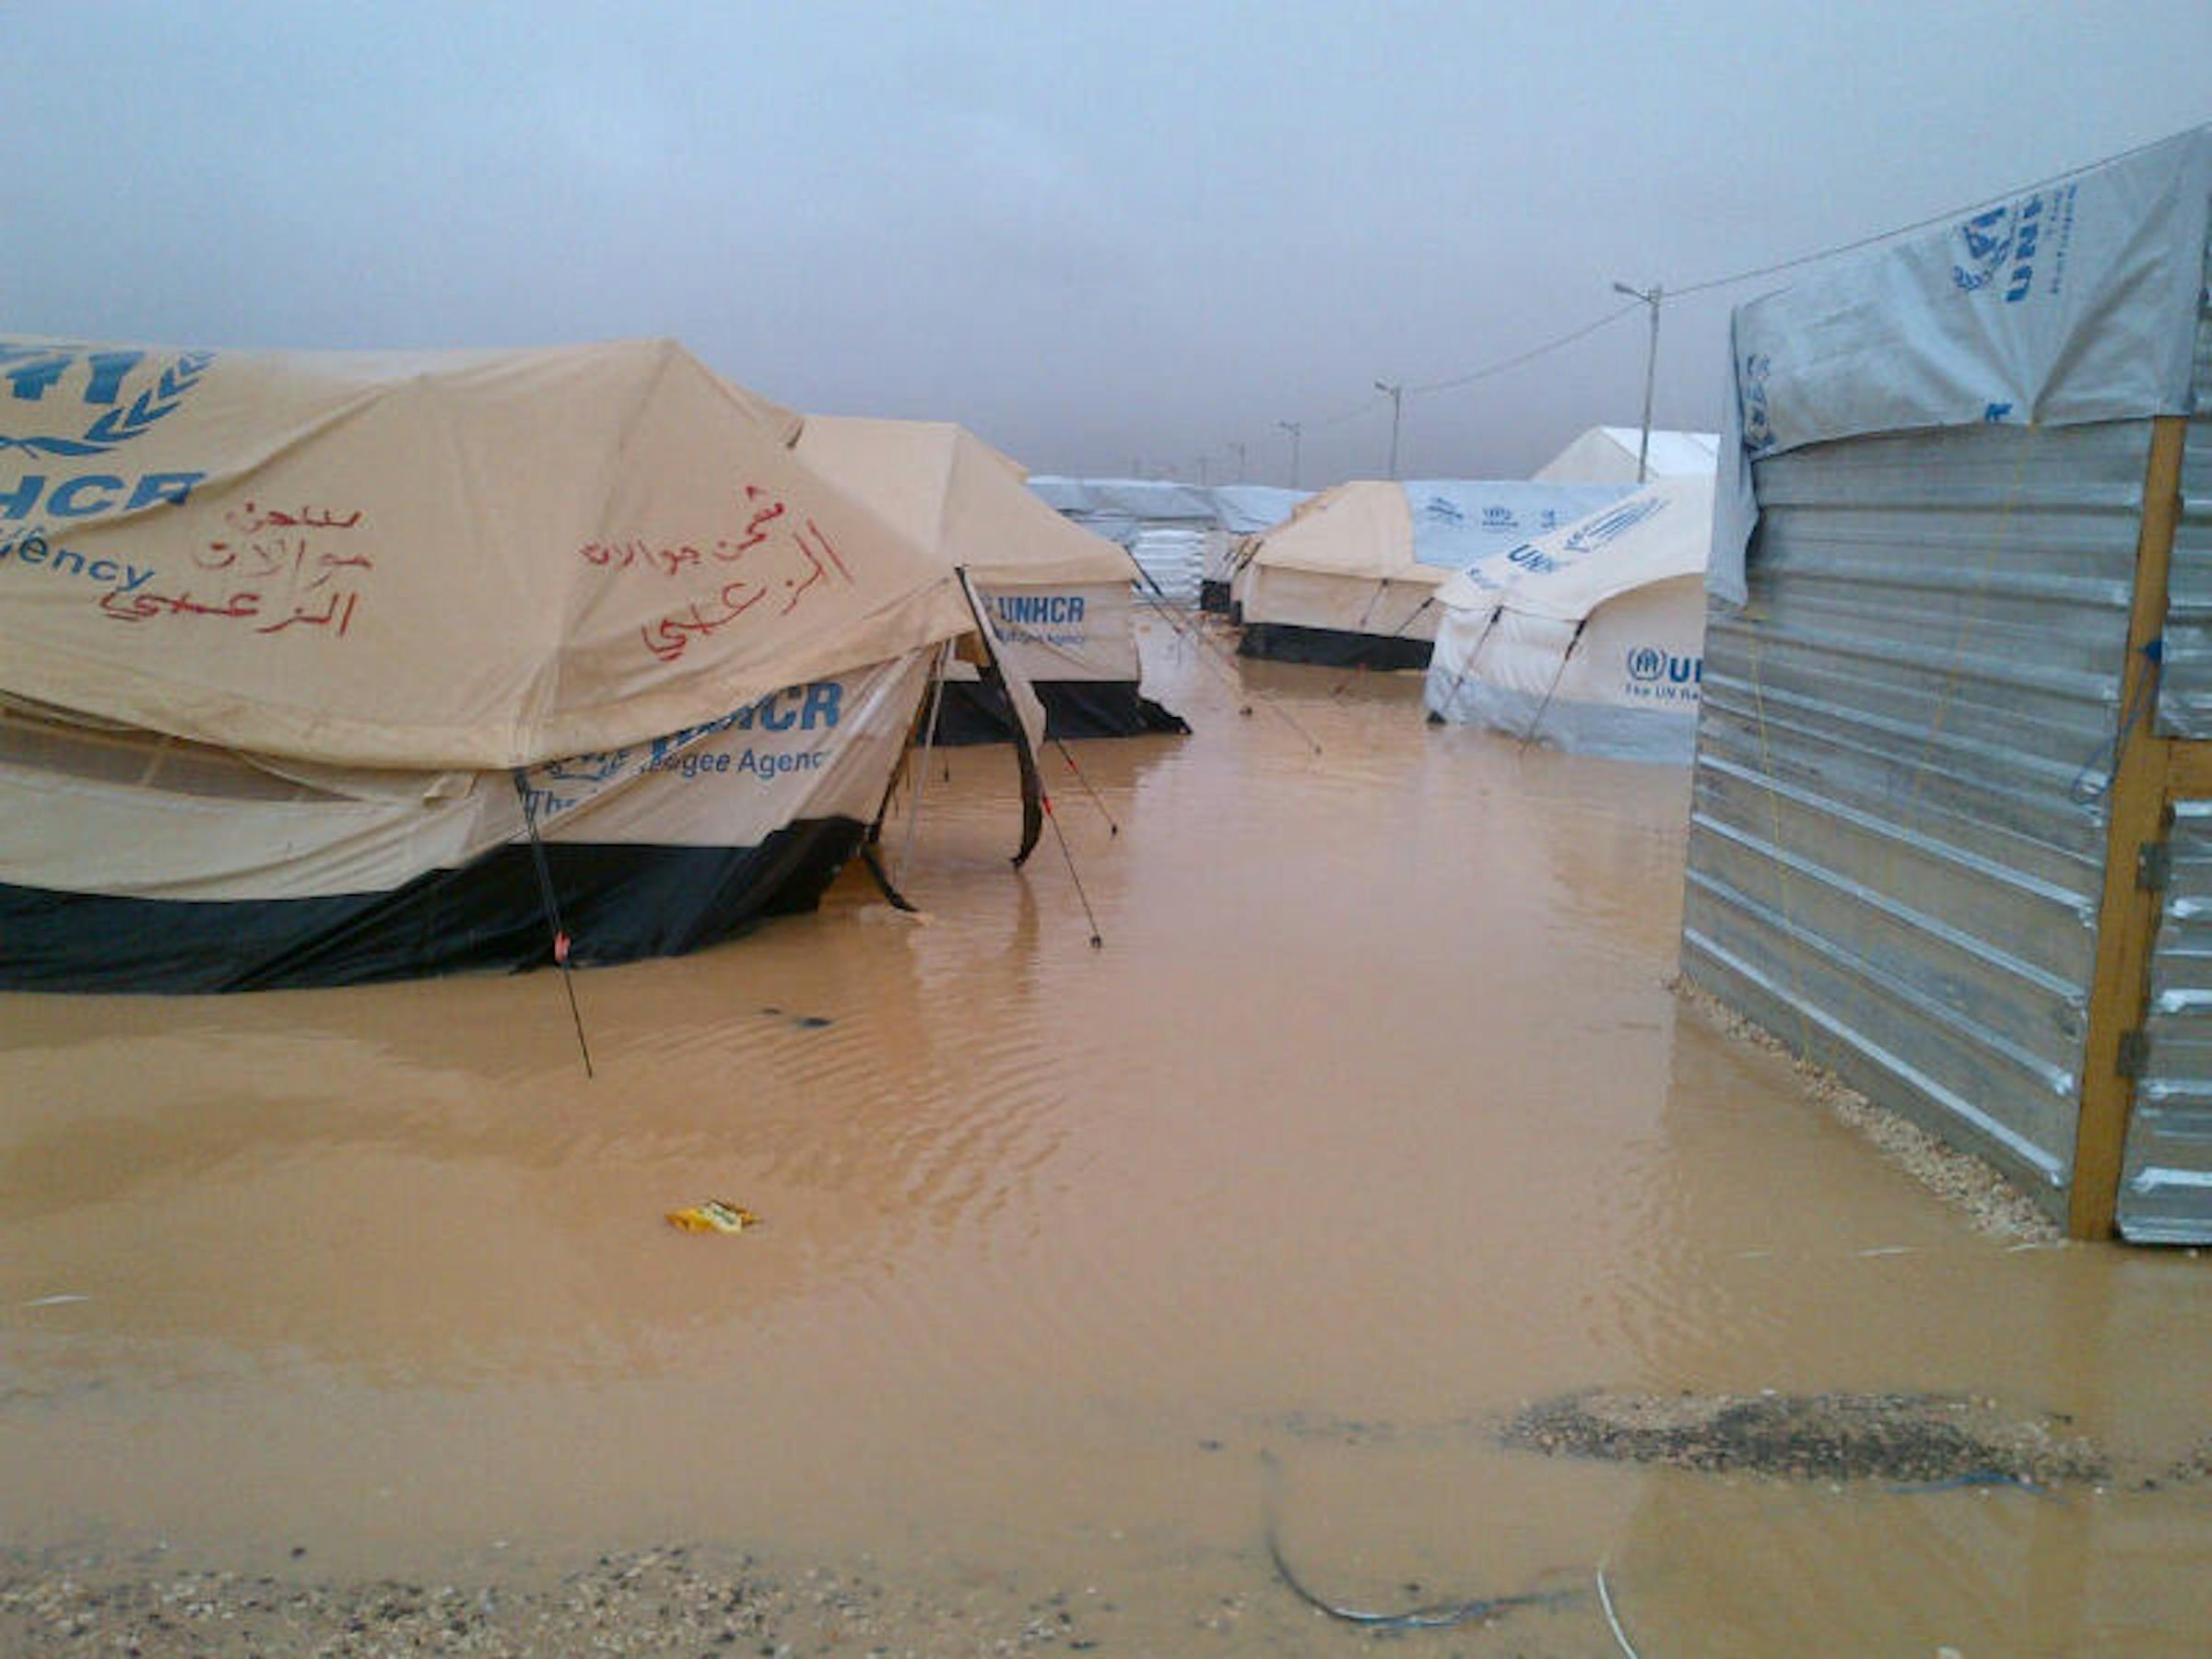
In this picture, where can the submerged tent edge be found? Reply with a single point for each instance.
(618, 903)
(1333, 647)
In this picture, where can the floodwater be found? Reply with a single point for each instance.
(1372, 1119)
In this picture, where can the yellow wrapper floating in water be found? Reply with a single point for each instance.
(715, 1216)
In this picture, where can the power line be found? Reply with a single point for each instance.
(1320, 423)
(1529, 356)
(1682, 290)
(1676, 290)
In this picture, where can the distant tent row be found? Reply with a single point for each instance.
(319, 668)
(1180, 535)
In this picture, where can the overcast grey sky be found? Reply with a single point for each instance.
(1094, 233)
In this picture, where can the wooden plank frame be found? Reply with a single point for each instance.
(2150, 772)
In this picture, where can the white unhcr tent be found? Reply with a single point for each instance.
(1590, 638)
(1351, 579)
(323, 667)
(1607, 454)
(1058, 597)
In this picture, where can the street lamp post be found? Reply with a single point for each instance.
(1650, 369)
(1293, 428)
(1397, 399)
(1239, 449)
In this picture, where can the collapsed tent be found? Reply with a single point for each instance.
(1351, 581)
(1607, 454)
(319, 668)
(1590, 638)
(1057, 597)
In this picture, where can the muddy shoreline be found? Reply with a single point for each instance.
(668, 1601)
(1989, 1202)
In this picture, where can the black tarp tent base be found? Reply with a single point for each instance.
(975, 712)
(1332, 647)
(617, 903)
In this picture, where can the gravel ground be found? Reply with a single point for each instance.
(1906, 1437)
(657, 1601)
(1990, 1202)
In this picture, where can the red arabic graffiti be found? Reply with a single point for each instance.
(295, 584)
(794, 556)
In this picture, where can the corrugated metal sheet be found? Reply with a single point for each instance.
(1897, 840)
(2185, 684)
(2166, 1176)
(2166, 1180)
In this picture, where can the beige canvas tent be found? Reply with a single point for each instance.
(323, 667)
(1350, 579)
(1057, 597)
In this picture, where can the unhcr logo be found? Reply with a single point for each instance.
(85, 406)
(1444, 510)
(1056, 610)
(66, 403)
(1499, 518)
(2001, 245)
(1988, 241)
(1758, 420)
(1614, 524)
(1647, 665)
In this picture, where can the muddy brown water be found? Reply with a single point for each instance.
(1373, 1122)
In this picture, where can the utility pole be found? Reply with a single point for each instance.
(1650, 369)
(1202, 469)
(1397, 398)
(1293, 428)
(1239, 449)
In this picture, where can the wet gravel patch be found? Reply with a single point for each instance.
(1898, 1438)
(2195, 1466)
(658, 1601)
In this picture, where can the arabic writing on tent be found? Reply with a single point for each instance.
(784, 557)
(272, 570)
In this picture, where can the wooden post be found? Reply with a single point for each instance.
(2128, 913)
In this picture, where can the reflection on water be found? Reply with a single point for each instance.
(1373, 1121)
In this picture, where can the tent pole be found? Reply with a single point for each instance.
(1411, 618)
(552, 905)
(929, 740)
(1096, 798)
(1223, 665)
